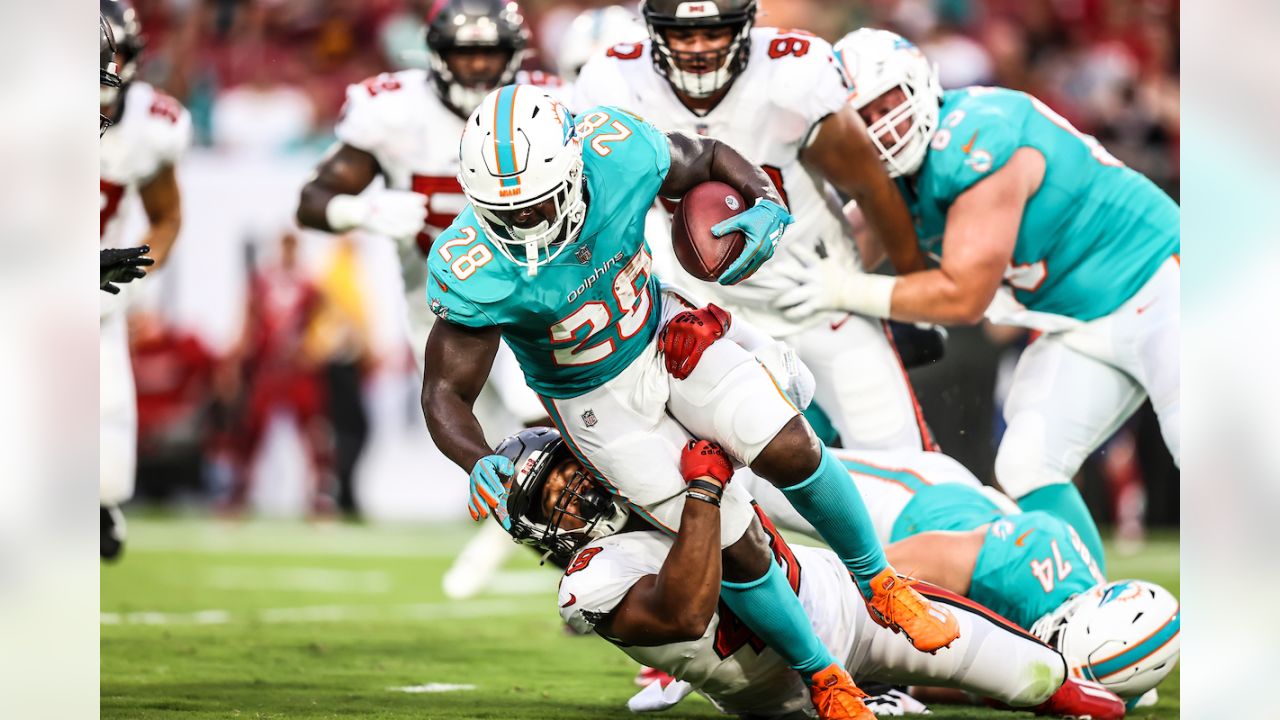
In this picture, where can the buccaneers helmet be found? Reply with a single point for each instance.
(720, 66)
(106, 65)
(127, 31)
(473, 25)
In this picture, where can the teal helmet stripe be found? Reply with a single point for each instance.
(504, 145)
(912, 481)
(1139, 652)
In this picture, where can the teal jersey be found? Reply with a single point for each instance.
(1030, 562)
(1093, 233)
(593, 309)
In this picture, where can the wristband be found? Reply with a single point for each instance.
(703, 497)
(712, 488)
(345, 212)
(869, 295)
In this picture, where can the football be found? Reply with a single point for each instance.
(700, 253)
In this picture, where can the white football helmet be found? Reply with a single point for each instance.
(1124, 635)
(877, 62)
(593, 32)
(519, 150)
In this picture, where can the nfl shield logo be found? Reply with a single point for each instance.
(589, 418)
(583, 254)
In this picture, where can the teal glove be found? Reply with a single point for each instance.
(763, 225)
(487, 490)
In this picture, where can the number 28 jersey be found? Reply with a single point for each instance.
(592, 310)
(1092, 234)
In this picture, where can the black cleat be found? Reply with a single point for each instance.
(111, 527)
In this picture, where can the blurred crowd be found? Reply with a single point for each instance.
(267, 78)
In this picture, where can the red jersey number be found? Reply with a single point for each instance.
(434, 186)
(787, 45)
(111, 195)
(166, 107)
(732, 634)
(582, 560)
(626, 51)
(381, 83)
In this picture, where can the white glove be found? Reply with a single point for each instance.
(656, 698)
(821, 286)
(397, 214)
(789, 371)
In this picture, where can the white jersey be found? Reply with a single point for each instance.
(152, 132)
(887, 481)
(790, 83)
(728, 663)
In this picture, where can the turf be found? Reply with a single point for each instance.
(204, 619)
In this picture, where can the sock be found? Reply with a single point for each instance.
(771, 609)
(1064, 501)
(830, 501)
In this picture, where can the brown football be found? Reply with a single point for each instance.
(700, 253)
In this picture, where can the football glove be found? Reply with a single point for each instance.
(122, 265)
(397, 214)
(819, 286)
(763, 225)
(702, 458)
(687, 335)
(487, 490)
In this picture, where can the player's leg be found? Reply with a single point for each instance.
(730, 398)
(1155, 324)
(623, 434)
(117, 431)
(1062, 405)
(861, 385)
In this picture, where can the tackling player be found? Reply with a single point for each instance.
(551, 256)
(1031, 567)
(657, 598)
(148, 133)
(778, 97)
(1034, 224)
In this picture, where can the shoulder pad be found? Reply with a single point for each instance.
(803, 75)
(168, 127)
(376, 102)
(975, 137)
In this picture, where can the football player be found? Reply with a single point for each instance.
(148, 133)
(778, 97)
(1035, 224)
(593, 32)
(657, 598)
(1031, 567)
(550, 255)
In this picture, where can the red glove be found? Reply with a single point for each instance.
(702, 458)
(690, 333)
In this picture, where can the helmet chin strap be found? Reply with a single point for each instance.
(531, 258)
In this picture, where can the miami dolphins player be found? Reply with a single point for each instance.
(550, 256)
(1034, 224)
(1030, 567)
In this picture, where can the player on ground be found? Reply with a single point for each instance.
(778, 97)
(148, 133)
(656, 598)
(1031, 567)
(1007, 192)
(551, 256)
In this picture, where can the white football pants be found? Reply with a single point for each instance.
(117, 410)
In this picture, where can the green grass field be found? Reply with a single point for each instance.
(203, 619)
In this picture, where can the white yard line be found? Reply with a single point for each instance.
(328, 613)
(432, 688)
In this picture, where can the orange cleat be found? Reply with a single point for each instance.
(835, 697)
(895, 604)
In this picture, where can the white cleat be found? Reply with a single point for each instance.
(475, 566)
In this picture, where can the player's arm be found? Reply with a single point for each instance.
(843, 152)
(981, 231)
(345, 171)
(162, 201)
(678, 603)
(696, 159)
(458, 360)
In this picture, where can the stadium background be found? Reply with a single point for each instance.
(265, 80)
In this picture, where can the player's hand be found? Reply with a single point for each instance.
(763, 224)
(487, 489)
(820, 286)
(702, 459)
(688, 335)
(396, 214)
(122, 265)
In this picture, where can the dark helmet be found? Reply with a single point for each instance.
(535, 452)
(123, 20)
(473, 24)
(106, 65)
(662, 15)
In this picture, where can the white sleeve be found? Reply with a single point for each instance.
(810, 86)
(359, 124)
(601, 575)
(600, 83)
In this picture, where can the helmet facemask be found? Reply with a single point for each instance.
(477, 25)
(905, 150)
(538, 245)
(714, 69)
